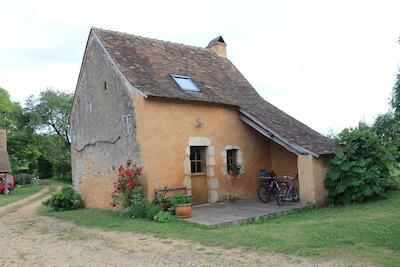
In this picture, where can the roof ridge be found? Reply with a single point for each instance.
(151, 39)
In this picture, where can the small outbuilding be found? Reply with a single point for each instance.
(5, 167)
(187, 116)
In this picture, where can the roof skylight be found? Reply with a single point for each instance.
(185, 83)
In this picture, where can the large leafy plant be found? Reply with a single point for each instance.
(361, 169)
(128, 190)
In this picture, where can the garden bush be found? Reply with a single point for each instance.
(66, 199)
(361, 169)
(139, 211)
(162, 216)
(152, 210)
(128, 189)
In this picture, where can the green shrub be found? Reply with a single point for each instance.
(361, 170)
(139, 211)
(152, 210)
(66, 199)
(162, 216)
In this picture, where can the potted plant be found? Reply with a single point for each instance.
(182, 203)
(235, 170)
(263, 172)
(163, 200)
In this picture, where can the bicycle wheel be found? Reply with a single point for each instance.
(295, 194)
(280, 198)
(263, 194)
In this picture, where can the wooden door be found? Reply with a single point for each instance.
(199, 175)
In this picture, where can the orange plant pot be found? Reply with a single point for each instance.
(183, 210)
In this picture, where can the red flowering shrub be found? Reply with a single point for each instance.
(128, 189)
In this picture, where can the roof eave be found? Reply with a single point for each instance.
(274, 136)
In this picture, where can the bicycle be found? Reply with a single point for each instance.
(287, 193)
(268, 188)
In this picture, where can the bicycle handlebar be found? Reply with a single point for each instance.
(281, 177)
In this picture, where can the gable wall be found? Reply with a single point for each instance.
(102, 126)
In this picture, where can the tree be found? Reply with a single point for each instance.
(387, 127)
(37, 135)
(21, 140)
(56, 157)
(23, 149)
(6, 107)
(367, 166)
(50, 112)
(48, 115)
(395, 100)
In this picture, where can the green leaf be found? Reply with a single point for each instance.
(340, 188)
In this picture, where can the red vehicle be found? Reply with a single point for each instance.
(10, 182)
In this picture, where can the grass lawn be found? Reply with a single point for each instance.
(19, 193)
(369, 232)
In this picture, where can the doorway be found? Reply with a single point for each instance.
(198, 174)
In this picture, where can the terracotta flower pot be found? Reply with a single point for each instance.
(165, 207)
(183, 210)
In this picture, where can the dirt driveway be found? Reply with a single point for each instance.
(27, 239)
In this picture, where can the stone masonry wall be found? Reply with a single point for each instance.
(103, 127)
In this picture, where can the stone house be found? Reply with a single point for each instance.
(186, 115)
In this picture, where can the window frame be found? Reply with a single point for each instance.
(231, 158)
(185, 83)
(197, 160)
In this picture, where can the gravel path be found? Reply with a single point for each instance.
(28, 239)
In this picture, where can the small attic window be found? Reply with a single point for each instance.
(185, 83)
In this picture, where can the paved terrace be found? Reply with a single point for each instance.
(224, 214)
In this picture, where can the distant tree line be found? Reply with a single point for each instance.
(38, 139)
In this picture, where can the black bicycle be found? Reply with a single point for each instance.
(268, 188)
(280, 190)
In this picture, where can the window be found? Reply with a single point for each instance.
(197, 162)
(231, 158)
(185, 83)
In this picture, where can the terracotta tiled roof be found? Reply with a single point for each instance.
(147, 64)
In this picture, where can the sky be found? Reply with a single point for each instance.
(329, 64)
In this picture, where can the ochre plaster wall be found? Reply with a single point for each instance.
(312, 173)
(283, 162)
(167, 129)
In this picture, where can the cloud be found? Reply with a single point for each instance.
(328, 64)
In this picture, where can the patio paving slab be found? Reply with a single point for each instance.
(224, 214)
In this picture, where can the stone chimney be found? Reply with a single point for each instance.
(218, 45)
